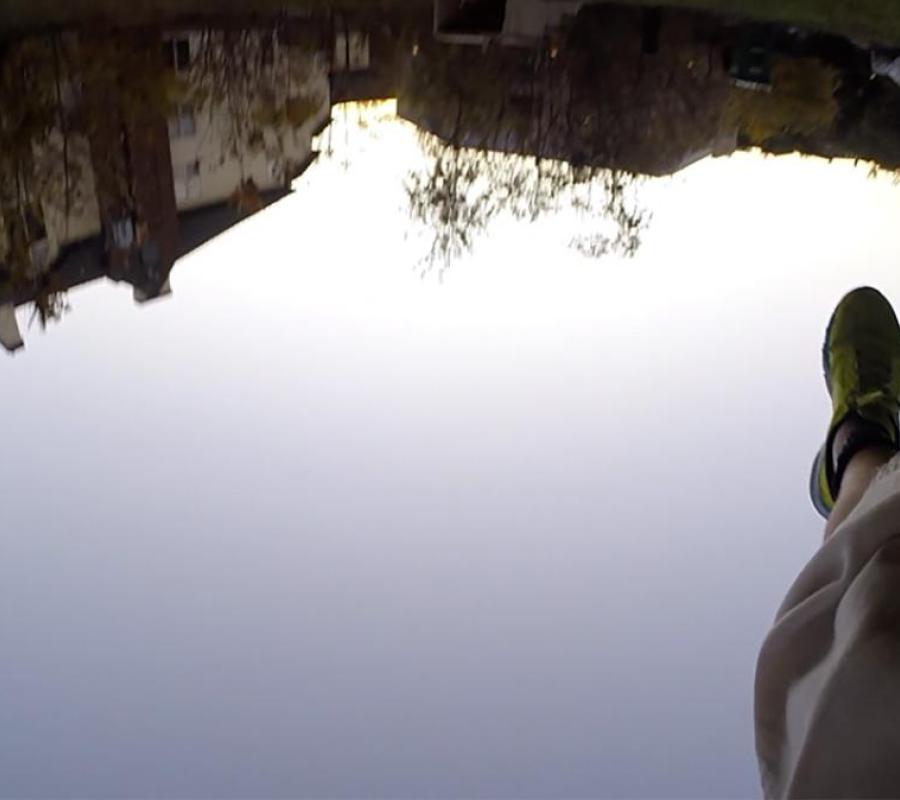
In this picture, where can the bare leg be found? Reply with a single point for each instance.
(856, 479)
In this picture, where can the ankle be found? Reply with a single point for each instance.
(857, 441)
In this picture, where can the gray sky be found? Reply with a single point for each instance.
(316, 527)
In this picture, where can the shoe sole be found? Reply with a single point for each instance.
(819, 460)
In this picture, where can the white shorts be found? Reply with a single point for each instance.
(828, 677)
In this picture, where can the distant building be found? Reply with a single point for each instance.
(154, 188)
(509, 22)
(369, 51)
(619, 87)
(86, 260)
(207, 164)
(34, 232)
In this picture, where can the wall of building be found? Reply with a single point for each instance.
(209, 162)
(84, 216)
(187, 164)
(205, 171)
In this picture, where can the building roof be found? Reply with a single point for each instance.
(85, 261)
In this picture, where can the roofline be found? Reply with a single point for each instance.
(46, 279)
(304, 165)
(320, 128)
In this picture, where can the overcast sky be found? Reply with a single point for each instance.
(314, 526)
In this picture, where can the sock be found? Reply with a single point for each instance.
(853, 434)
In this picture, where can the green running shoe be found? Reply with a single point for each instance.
(861, 360)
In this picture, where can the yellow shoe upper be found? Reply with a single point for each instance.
(862, 369)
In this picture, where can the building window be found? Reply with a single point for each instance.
(177, 54)
(187, 181)
(123, 232)
(183, 123)
(351, 51)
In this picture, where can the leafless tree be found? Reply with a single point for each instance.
(42, 158)
(502, 135)
(255, 86)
